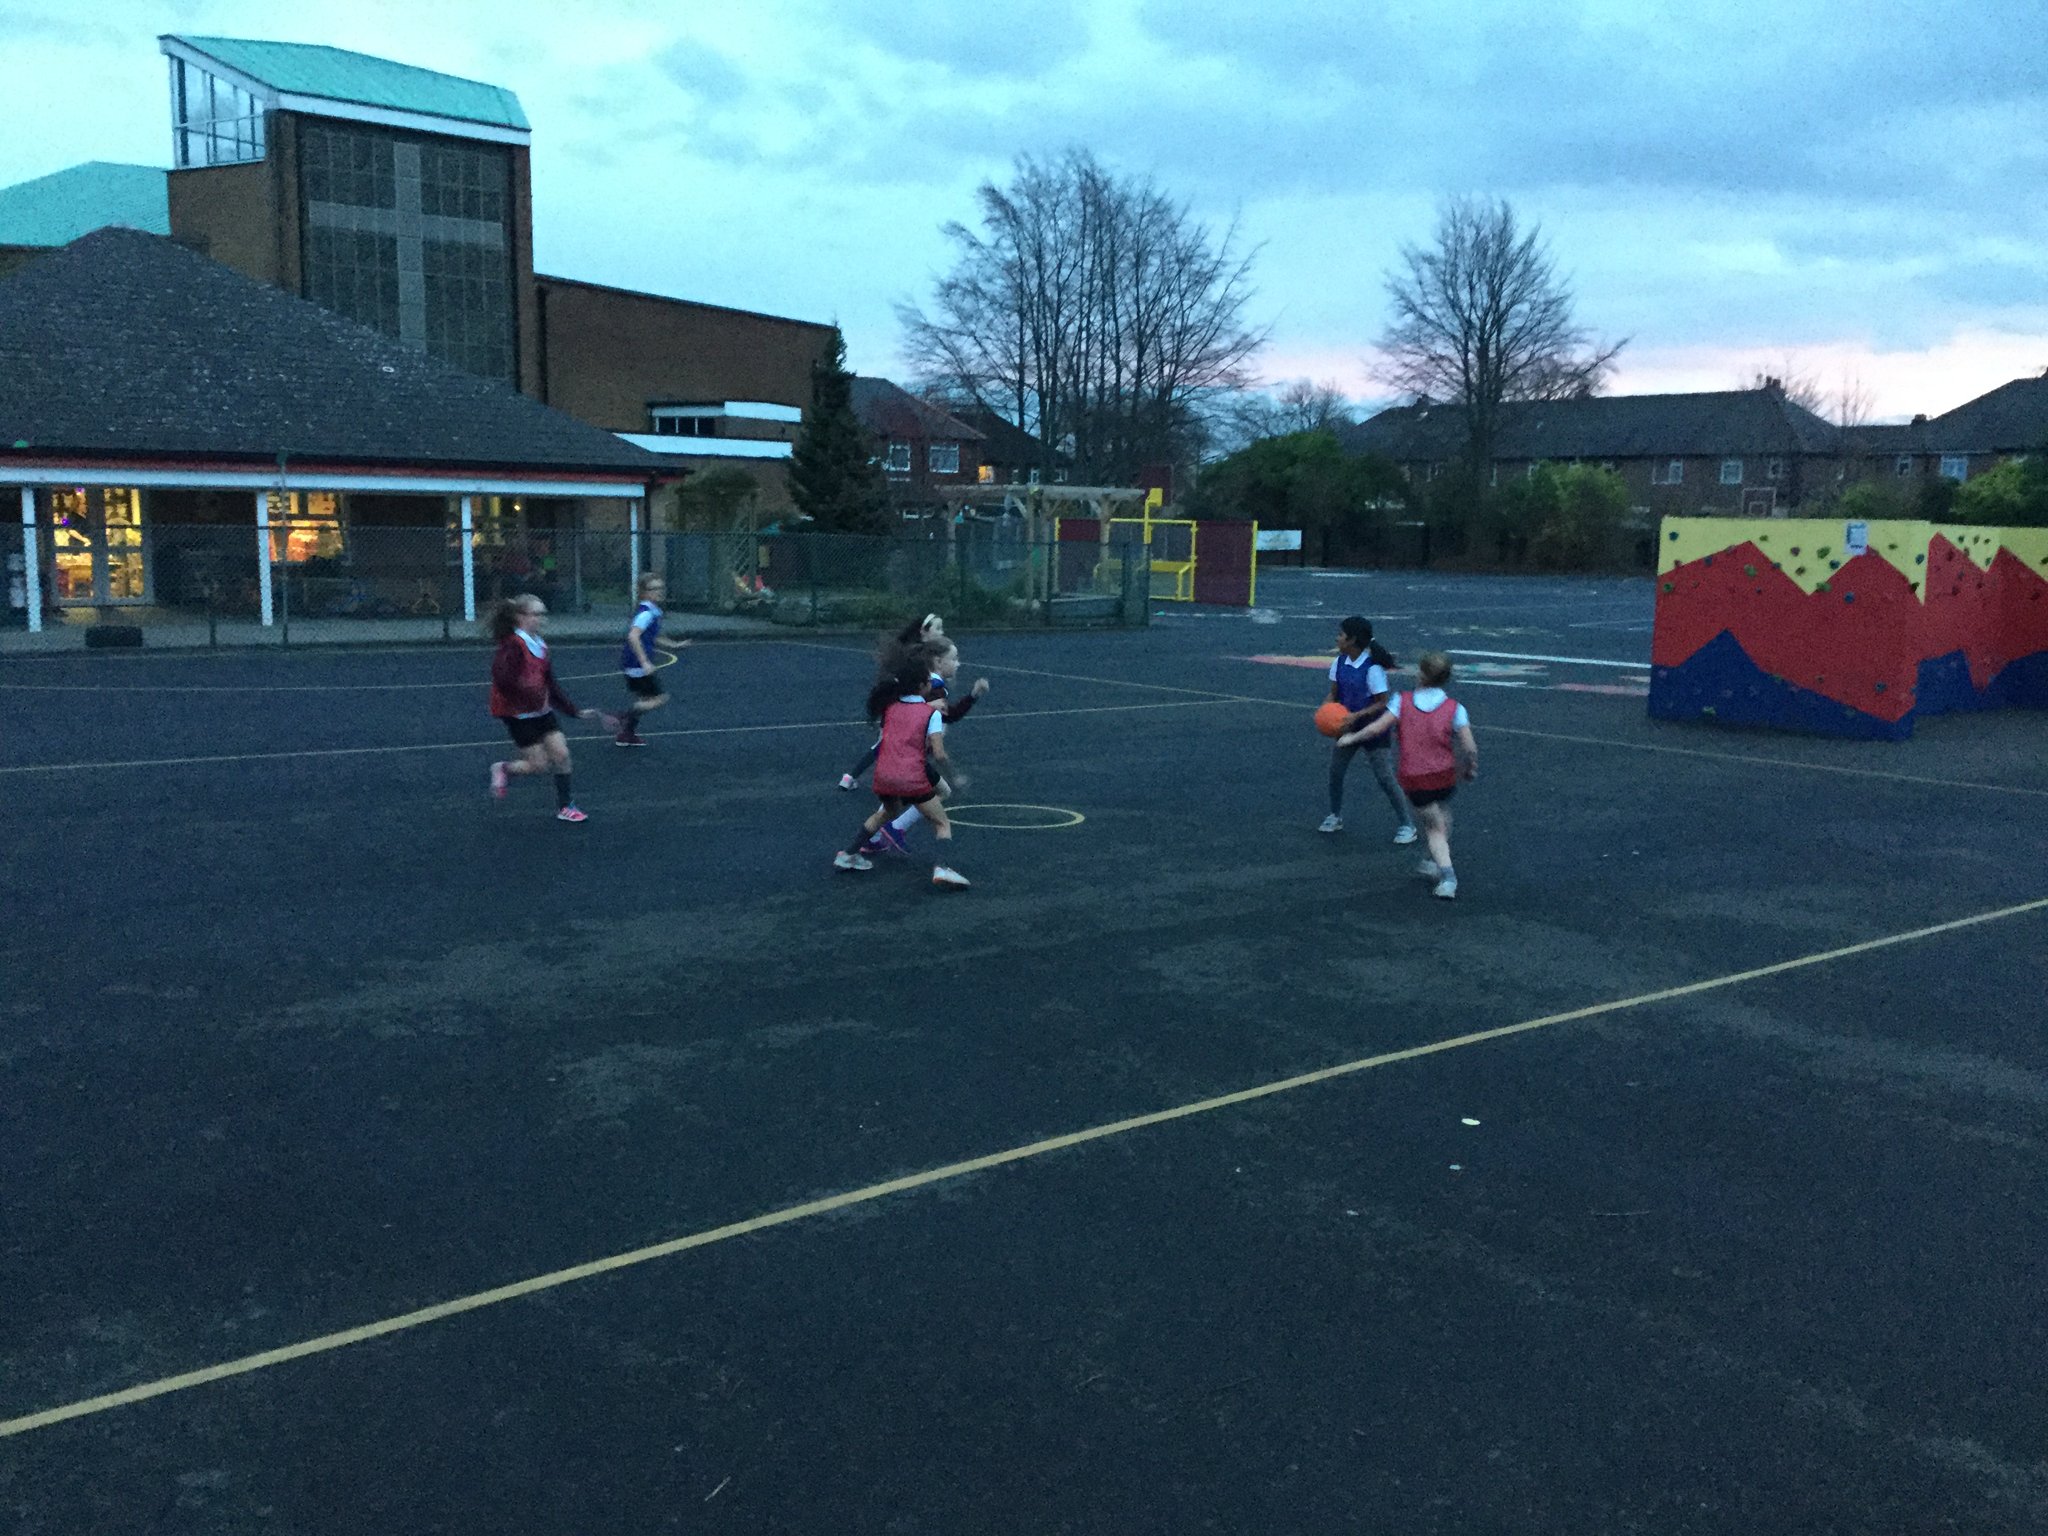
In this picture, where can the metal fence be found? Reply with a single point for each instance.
(328, 580)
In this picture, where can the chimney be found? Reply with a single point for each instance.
(1773, 382)
(1920, 420)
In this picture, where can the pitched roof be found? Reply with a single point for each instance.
(1007, 443)
(1707, 424)
(2012, 418)
(889, 410)
(56, 209)
(128, 344)
(336, 74)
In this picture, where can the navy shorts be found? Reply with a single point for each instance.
(531, 733)
(1420, 797)
(645, 687)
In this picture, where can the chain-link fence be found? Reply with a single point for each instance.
(309, 579)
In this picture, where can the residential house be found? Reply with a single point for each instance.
(1009, 454)
(1752, 451)
(1722, 450)
(928, 455)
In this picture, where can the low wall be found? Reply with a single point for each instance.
(1782, 622)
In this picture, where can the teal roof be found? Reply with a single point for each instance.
(335, 74)
(58, 208)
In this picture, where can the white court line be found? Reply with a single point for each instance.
(367, 686)
(1573, 661)
(1215, 695)
(499, 741)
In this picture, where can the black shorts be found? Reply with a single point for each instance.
(1420, 797)
(647, 687)
(531, 733)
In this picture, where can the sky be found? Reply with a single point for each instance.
(1849, 189)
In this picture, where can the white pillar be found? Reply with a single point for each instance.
(263, 555)
(633, 543)
(31, 560)
(468, 565)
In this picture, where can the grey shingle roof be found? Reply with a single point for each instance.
(1709, 424)
(126, 344)
(2012, 418)
(889, 410)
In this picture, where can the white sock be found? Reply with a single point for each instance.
(908, 819)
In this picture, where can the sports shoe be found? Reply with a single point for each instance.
(1427, 868)
(629, 739)
(848, 781)
(892, 838)
(1332, 823)
(843, 860)
(570, 813)
(948, 879)
(1446, 888)
(498, 781)
(1404, 835)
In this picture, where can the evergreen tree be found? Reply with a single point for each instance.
(833, 476)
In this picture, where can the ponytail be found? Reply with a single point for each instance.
(909, 676)
(504, 616)
(1381, 656)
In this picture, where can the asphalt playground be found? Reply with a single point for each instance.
(380, 1158)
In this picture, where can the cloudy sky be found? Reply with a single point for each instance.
(1856, 187)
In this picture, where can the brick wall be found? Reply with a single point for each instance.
(607, 354)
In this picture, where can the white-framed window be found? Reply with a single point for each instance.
(213, 122)
(1671, 472)
(1435, 470)
(942, 458)
(1777, 469)
(1903, 465)
(1731, 471)
(897, 459)
(1955, 466)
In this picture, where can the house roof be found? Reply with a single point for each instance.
(1007, 443)
(2012, 418)
(888, 410)
(336, 74)
(56, 209)
(126, 345)
(1707, 424)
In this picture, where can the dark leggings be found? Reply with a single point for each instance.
(867, 760)
(1382, 760)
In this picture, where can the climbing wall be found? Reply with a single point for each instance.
(1783, 623)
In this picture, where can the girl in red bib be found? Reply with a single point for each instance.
(525, 695)
(1434, 750)
(911, 752)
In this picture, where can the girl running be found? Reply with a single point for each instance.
(894, 654)
(944, 664)
(1358, 681)
(1436, 750)
(525, 695)
(636, 660)
(911, 755)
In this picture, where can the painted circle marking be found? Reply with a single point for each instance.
(1031, 818)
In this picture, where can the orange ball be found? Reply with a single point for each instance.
(1331, 718)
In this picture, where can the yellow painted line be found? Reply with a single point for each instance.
(499, 741)
(554, 1279)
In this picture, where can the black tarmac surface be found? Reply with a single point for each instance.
(300, 1031)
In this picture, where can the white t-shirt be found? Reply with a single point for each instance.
(1375, 674)
(1428, 699)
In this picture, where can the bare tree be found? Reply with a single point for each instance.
(1481, 317)
(1302, 405)
(1091, 310)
